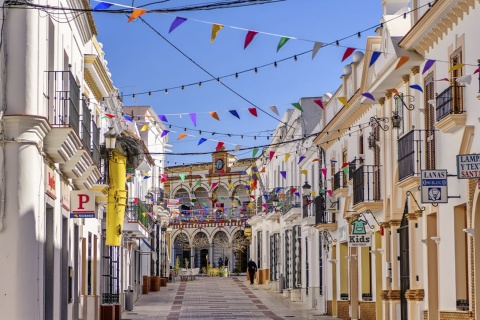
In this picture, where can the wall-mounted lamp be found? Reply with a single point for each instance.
(436, 239)
(470, 232)
(432, 102)
(332, 260)
(353, 256)
(372, 140)
(110, 139)
(424, 241)
(306, 189)
(399, 104)
(381, 250)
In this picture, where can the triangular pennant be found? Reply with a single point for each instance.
(234, 113)
(164, 177)
(178, 21)
(222, 171)
(109, 115)
(345, 170)
(298, 106)
(214, 115)
(144, 128)
(345, 164)
(219, 145)
(443, 79)
(316, 47)
(282, 196)
(202, 140)
(253, 111)
(193, 117)
(374, 57)
(284, 174)
(456, 67)
(301, 159)
(198, 182)
(249, 37)
(254, 152)
(164, 133)
(292, 191)
(314, 194)
(416, 87)
(368, 95)
(272, 153)
(181, 136)
(265, 195)
(136, 13)
(277, 190)
(428, 65)
(162, 117)
(324, 172)
(297, 194)
(344, 101)
(103, 6)
(347, 53)
(303, 172)
(215, 29)
(477, 71)
(319, 102)
(283, 40)
(286, 157)
(127, 117)
(394, 91)
(330, 193)
(237, 148)
(274, 110)
(182, 176)
(465, 79)
(402, 61)
(214, 185)
(230, 186)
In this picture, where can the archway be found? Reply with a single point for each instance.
(183, 195)
(239, 246)
(181, 249)
(200, 245)
(220, 248)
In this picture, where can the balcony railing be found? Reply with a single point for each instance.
(86, 122)
(63, 96)
(339, 180)
(351, 167)
(449, 101)
(290, 201)
(410, 154)
(366, 184)
(138, 212)
(96, 155)
(322, 216)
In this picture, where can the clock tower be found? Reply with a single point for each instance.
(220, 161)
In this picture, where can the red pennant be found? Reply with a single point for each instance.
(345, 164)
(348, 53)
(271, 154)
(223, 171)
(109, 115)
(319, 102)
(253, 111)
(219, 145)
(292, 191)
(250, 35)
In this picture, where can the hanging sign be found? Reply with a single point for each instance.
(82, 204)
(468, 166)
(359, 236)
(434, 186)
(173, 203)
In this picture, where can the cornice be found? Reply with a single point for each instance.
(99, 69)
(92, 85)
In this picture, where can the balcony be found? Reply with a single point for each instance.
(340, 186)
(291, 206)
(367, 188)
(137, 220)
(449, 108)
(409, 159)
(324, 219)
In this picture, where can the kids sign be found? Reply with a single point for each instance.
(359, 236)
(82, 204)
(468, 166)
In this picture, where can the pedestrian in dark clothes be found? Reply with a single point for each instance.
(251, 268)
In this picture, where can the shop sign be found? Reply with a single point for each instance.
(65, 191)
(82, 204)
(359, 236)
(434, 186)
(173, 203)
(468, 166)
(50, 187)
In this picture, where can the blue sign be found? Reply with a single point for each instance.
(434, 186)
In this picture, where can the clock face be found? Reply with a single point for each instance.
(219, 164)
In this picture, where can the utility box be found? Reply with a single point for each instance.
(281, 283)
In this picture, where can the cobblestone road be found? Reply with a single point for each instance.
(217, 298)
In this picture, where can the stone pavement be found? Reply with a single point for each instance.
(217, 298)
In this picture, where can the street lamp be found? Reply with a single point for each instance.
(306, 188)
(110, 139)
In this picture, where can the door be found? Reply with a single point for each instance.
(404, 264)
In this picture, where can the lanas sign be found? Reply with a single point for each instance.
(82, 204)
(468, 166)
(434, 186)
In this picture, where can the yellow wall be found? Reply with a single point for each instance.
(343, 267)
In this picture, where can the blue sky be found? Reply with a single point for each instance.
(141, 61)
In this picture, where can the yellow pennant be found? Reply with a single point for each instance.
(286, 157)
(303, 172)
(344, 101)
(456, 67)
(144, 128)
(314, 194)
(230, 186)
(215, 29)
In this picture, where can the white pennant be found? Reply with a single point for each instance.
(465, 79)
(316, 47)
(275, 110)
(237, 148)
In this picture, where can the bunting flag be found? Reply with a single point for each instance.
(330, 193)
(265, 196)
(344, 101)
(286, 157)
(465, 79)
(402, 61)
(272, 153)
(109, 115)
(164, 133)
(301, 159)
(181, 136)
(298, 106)
(428, 65)
(177, 22)
(182, 176)
(443, 79)
(254, 184)
(129, 176)
(394, 91)
(254, 153)
(416, 87)
(345, 164)
(103, 6)
(219, 146)
(222, 171)
(282, 196)
(456, 67)
(197, 183)
(274, 110)
(144, 128)
(303, 172)
(264, 205)
(136, 13)
(278, 190)
(249, 37)
(215, 29)
(319, 102)
(297, 194)
(234, 113)
(292, 190)
(237, 148)
(283, 40)
(164, 177)
(477, 71)
(214, 185)
(127, 117)
(202, 140)
(284, 174)
(374, 57)
(314, 194)
(316, 160)
(347, 53)
(368, 95)
(316, 47)
(345, 170)
(253, 111)
(322, 191)
(162, 117)
(214, 115)
(324, 171)
(193, 117)
(230, 186)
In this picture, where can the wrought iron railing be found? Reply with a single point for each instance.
(410, 154)
(449, 101)
(366, 184)
(63, 98)
(86, 122)
(96, 155)
(322, 216)
(337, 181)
(138, 212)
(291, 200)
(351, 167)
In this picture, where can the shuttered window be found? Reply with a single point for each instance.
(429, 123)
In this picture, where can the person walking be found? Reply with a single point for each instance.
(220, 262)
(251, 268)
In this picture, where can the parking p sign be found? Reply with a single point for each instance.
(434, 186)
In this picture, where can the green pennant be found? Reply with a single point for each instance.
(199, 182)
(298, 106)
(323, 191)
(345, 170)
(182, 176)
(255, 150)
(283, 40)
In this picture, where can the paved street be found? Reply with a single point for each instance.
(217, 298)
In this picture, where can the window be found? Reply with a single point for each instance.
(429, 123)
(457, 93)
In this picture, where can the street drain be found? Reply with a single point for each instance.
(289, 316)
